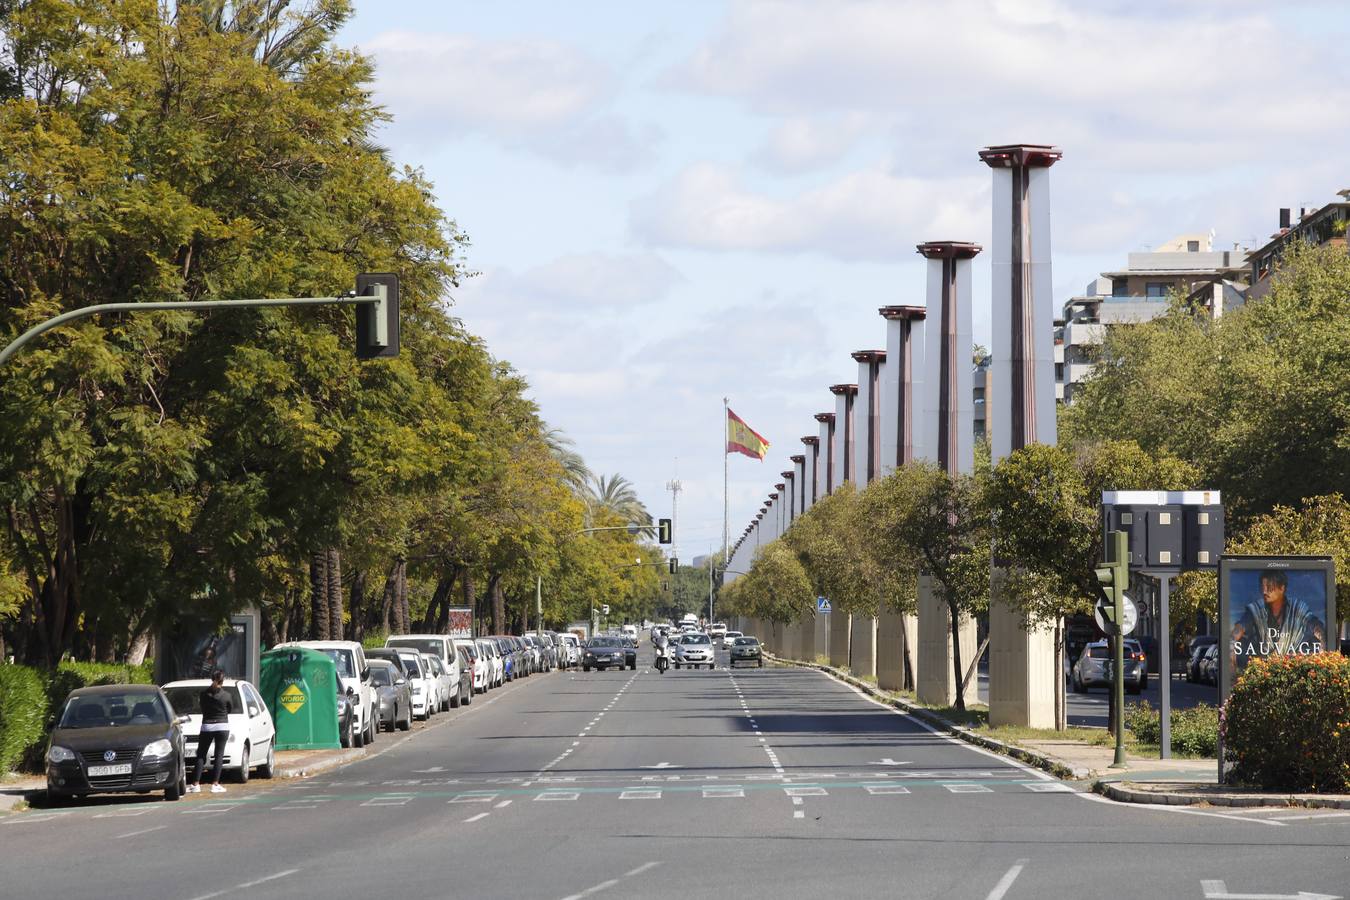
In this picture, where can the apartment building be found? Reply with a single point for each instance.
(1187, 265)
(1325, 225)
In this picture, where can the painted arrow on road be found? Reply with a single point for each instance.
(664, 765)
(1218, 890)
(887, 762)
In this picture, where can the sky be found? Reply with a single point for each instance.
(672, 203)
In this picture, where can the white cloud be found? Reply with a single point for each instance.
(533, 94)
(577, 282)
(803, 143)
(869, 214)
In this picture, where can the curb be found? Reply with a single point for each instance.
(1124, 793)
(319, 766)
(1021, 754)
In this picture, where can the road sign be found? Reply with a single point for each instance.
(823, 604)
(1131, 616)
(604, 609)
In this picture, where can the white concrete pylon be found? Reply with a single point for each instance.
(825, 468)
(949, 410)
(902, 388)
(844, 397)
(810, 475)
(800, 491)
(867, 442)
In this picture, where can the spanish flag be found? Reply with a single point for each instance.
(741, 438)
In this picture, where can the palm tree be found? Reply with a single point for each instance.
(576, 472)
(615, 494)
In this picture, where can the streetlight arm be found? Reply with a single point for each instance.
(85, 312)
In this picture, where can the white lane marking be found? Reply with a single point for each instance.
(875, 789)
(558, 795)
(640, 869)
(719, 792)
(1001, 889)
(1218, 890)
(968, 788)
(32, 820)
(806, 791)
(593, 890)
(1330, 815)
(798, 814)
(502, 805)
(797, 801)
(472, 798)
(477, 817)
(1048, 787)
(142, 831)
(246, 885)
(648, 794)
(1148, 807)
(125, 813)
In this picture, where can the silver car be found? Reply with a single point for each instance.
(693, 650)
(1093, 668)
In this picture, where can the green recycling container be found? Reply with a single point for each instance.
(300, 688)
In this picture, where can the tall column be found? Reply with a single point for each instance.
(949, 420)
(789, 489)
(867, 440)
(801, 492)
(902, 387)
(1023, 672)
(863, 646)
(781, 501)
(825, 471)
(840, 627)
(897, 636)
(811, 475)
(844, 396)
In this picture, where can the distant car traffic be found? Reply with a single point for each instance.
(252, 734)
(116, 739)
(745, 650)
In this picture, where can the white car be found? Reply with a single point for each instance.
(252, 740)
(693, 650)
(571, 645)
(349, 658)
(480, 664)
(440, 644)
(730, 638)
(496, 668)
(445, 688)
(717, 631)
(423, 684)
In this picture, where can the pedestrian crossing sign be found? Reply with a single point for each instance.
(823, 604)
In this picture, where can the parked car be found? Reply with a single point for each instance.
(1209, 665)
(448, 693)
(535, 651)
(492, 655)
(389, 655)
(441, 645)
(571, 644)
(116, 738)
(464, 687)
(745, 649)
(1093, 668)
(423, 684)
(1198, 645)
(694, 649)
(604, 652)
(476, 663)
(393, 695)
(729, 639)
(346, 716)
(349, 658)
(252, 735)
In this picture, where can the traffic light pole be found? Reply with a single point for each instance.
(85, 312)
(1121, 563)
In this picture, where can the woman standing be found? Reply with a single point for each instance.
(216, 708)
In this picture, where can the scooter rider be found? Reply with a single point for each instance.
(661, 642)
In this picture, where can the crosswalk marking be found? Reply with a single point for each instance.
(389, 800)
(473, 798)
(199, 808)
(651, 794)
(715, 792)
(805, 791)
(125, 813)
(968, 788)
(1047, 787)
(557, 795)
(875, 789)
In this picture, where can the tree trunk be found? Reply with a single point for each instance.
(318, 596)
(140, 643)
(956, 658)
(404, 616)
(498, 601)
(466, 588)
(335, 631)
(357, 605)
(270, 634)
(389, 615)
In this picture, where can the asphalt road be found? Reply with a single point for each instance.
(754, 783)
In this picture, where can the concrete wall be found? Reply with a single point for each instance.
(821, 636)
(936, 681)
(839, 636)
(1021, 668)
(893, 631)
(863, 646)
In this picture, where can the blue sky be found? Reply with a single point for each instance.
(674, 202)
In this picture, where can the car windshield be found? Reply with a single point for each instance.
(695, 639)
(603, 642)
(380, 676)
(414, 667)
(101, 710)
(187, 700)
(746, 642)
(342, 661)
(429, 646)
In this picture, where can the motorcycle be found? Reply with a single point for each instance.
(662, 662)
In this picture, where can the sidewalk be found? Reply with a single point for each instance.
(1162, 782)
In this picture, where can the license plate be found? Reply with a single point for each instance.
(119, 769)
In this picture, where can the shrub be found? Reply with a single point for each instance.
(1195, 731)
(1287, 724)
(23, 714)
(71, 675)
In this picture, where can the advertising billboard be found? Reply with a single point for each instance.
(194, 649)
(1272, 605)
(461, 622)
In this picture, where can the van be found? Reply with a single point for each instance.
(349, 660)
(440, 645)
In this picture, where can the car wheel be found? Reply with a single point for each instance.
(243, 765)
(677, 665)
(269, 768)
(370, 728)
(176, 790)
(761, 664)
(454, 701)
(345, 739)
(1076, 685)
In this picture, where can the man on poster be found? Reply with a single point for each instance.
(1276, 623)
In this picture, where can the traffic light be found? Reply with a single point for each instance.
(663, 531)
(1114, 576)
(674, 565)
(377, 323)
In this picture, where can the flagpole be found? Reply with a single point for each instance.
(726, 494)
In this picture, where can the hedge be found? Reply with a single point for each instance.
(28, 695)
(1195, 731)
(1286, 725)
(23, 714)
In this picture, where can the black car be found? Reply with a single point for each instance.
(393, 697)
(745, 649)
(607, 652)
(116, 738)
